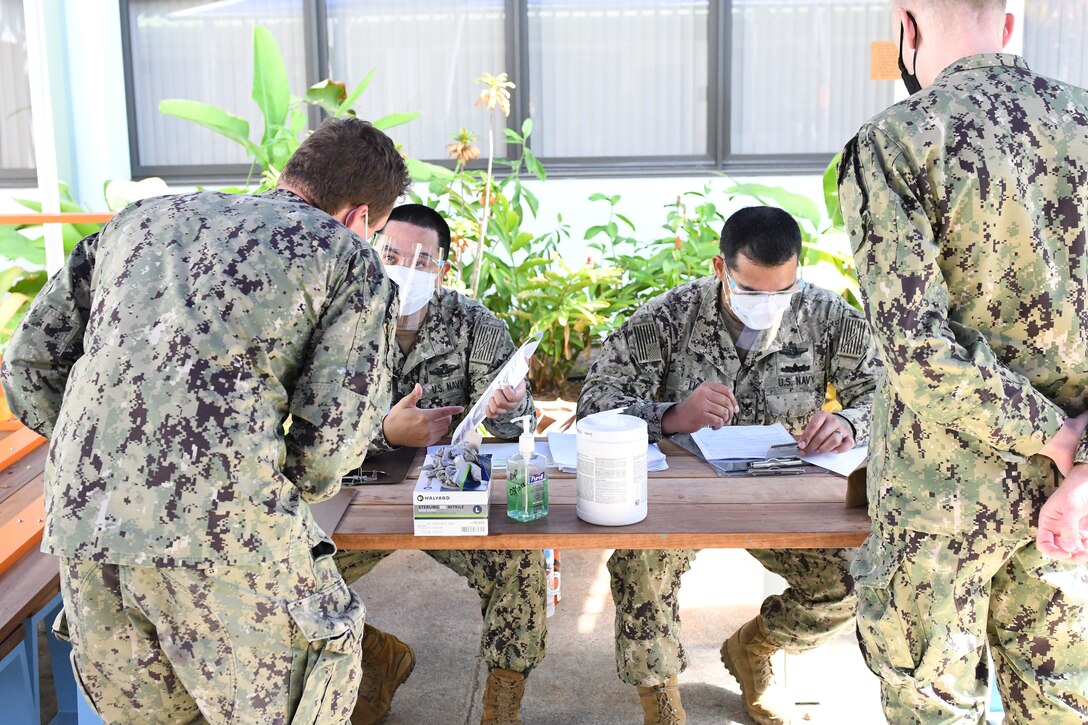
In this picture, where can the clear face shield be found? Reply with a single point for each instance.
(416, 274)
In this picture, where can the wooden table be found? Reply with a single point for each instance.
(34, 579)
(690, 507)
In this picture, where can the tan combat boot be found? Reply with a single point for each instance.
(387, 662)
(747, 656)
(661, 703)
(502, 698)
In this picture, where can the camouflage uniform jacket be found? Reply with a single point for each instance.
(163, 360)
(460, 349)
(678, 340)
(966, 209)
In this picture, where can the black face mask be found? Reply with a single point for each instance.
(910, 80)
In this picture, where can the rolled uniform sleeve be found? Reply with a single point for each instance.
(1081, 454)
(945, 372)
(49, 340)
(491, 348)
(344, 388)
(855, 371)
(629, 373)
(378, 443)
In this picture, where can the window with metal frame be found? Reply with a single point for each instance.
(201, 51)
(16, 130)
(635, 87)
(426, 55)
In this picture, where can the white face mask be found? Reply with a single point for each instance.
(416, 288)
(760, 311)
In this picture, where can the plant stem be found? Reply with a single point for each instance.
(487, 205)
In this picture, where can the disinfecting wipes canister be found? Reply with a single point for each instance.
(612, 469)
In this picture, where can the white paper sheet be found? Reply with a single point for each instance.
(740, 441)
(511, 374)
(564, 452)
(841, 463)
(501, 451)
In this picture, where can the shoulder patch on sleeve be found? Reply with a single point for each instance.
(646, 340)
(489, 339)
(854, 340)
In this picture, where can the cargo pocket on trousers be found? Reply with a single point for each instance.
(60, 631)
(884, 635)
(332, 622)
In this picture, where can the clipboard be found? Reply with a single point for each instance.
(383, 469)
(729, 468)
(328, 513)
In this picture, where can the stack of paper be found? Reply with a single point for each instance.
(841, 463)
(511, 375)
(746, 442)
(564, 451)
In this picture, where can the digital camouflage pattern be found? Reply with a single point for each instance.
(262, 643)
(656, 359)
(965, 206)
(164, 359)
(819, 602)
(460, 348)
(678, 340)
(512, 588)
(927, 603)
(966, 210)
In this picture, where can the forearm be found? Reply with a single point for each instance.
(48, 342)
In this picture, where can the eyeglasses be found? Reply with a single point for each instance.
(735, 289)
(392, 257)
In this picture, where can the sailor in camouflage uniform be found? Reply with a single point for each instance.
(751, 345)
(162, 362)
(966, 209)
(449, 349)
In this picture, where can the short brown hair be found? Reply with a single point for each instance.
(347, 162)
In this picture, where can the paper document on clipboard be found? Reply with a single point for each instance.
(511, 375)
(740, 441)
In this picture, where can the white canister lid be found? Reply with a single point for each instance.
(613, 427)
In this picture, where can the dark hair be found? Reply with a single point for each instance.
(426, 218)
(766, 235)
(347, 162)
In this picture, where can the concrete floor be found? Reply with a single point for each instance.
(434, 611)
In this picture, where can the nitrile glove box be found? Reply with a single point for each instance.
(438, 511)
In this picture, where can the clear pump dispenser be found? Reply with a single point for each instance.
(526, 478)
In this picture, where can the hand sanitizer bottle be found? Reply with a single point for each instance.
(526, 478)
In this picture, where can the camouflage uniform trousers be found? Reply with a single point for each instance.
(512, 588)
(928, 604)
(819, 602)
(272, 643)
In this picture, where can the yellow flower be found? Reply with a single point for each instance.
(462, 150)
(462, 234)
(495, 92)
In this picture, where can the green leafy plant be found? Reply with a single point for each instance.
(285, 117)
(22, 256)
(572, 307)
(519, 275)
(658, 265)
(22, 247)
